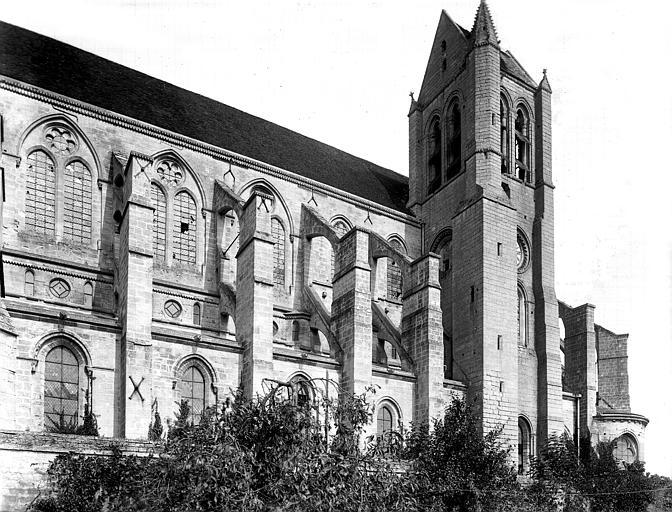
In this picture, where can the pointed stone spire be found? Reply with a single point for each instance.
(544, 85)
(484, 32)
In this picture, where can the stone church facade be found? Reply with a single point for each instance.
(160, 246)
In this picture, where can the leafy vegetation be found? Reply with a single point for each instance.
(275, 453)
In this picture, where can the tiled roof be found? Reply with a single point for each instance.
(69, 71)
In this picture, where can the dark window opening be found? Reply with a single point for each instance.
(434, 160)
(522, 127)
(184, 227)
(505, 144)
(454, 149)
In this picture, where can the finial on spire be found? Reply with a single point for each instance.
(484, 32)
(414, 104)
(412, 93)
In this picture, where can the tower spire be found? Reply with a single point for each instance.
(483, 31)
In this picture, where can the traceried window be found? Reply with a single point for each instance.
(193, 392)
(625, 449)
(159, 225)
(61, 388)
(278, 232)
(384, 420)
(184, 228)
(77, 205)
(394, 278)
(522, 127)
(304, 391)
(505, 143)
(41, 193)
(454, 147)
(434, 156)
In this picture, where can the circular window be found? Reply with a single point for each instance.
(170, 172)
(522, 253)
(172, 308)
(59, 288)
(61, 140)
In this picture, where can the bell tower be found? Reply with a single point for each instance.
(480, 180)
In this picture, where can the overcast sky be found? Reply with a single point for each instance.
(340, 72)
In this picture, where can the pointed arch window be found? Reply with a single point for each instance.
(61, 388)
(384, 420)
(304, 391)
(524, 445)
(434, 156)
(505, 144)
(522, 318)
(193, 392)
(278, 232)
(159, 222)
(41, 193)
(29, 283)
(196, 314)
(625, 449)
(394, 277)
(77, 202)
(522, 128)
(454, 147)
(184, 228)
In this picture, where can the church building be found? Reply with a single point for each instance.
(158, 246)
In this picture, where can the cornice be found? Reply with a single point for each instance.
(58, 100)
(60, 272)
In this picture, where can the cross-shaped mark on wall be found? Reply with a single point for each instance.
(136, 389)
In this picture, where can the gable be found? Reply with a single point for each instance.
(456, 48)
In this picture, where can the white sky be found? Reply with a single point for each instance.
(341, 71)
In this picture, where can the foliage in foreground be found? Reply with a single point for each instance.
(274, 454)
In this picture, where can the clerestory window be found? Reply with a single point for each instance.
(505, 143)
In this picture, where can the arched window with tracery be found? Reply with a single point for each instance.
(522, 317)
(184, 228)
(384, 420)
(304, 393)
(454, 143)
(434, 156)
(505, 143)
(77, 202)
(159, 222)
(394, 277)
(278, 232)
(41, 193)
(524, 445)
(522, 128)
(341, 229)
(625, 449)
(192, 391)
(61, 389)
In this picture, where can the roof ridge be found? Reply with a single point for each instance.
(65, 69)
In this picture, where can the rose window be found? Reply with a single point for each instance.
(61, 140)
(170, 172)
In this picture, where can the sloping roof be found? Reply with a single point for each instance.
(61, 68)
(508, 63)
(6, 320)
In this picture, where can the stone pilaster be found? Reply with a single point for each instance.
(422, 332)
(351, 309)
(254, 293)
